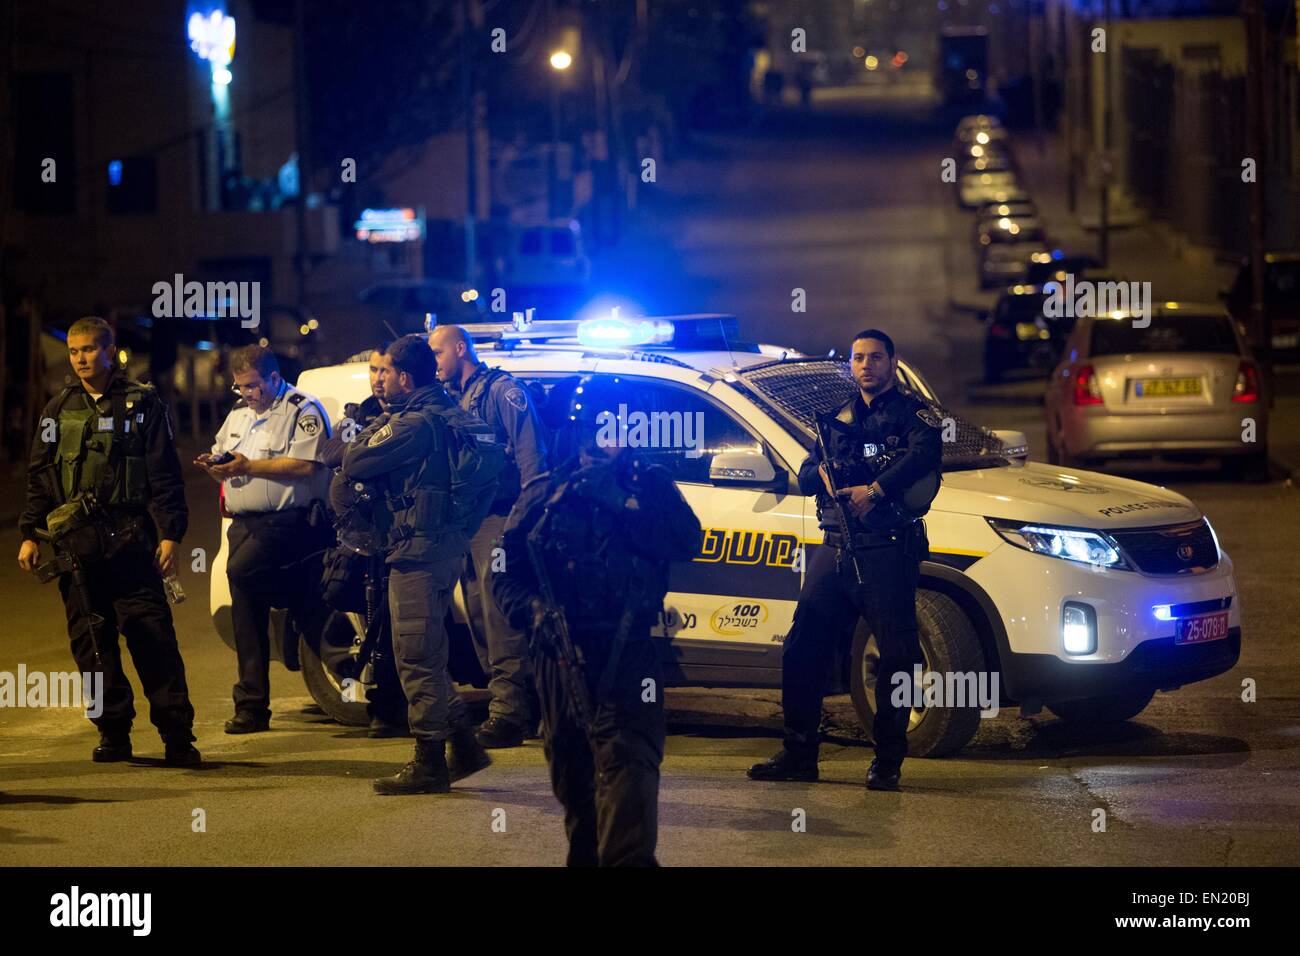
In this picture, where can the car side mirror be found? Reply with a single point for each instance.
(742, 468)
(1014, 444)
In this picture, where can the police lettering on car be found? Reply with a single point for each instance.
(267, 457)
(506, 406)
(90, 492)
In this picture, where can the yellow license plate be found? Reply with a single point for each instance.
(1167, 387)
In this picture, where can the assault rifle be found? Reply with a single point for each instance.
(839, 510)
(552, 636)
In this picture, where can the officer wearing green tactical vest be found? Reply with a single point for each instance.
(103, 458)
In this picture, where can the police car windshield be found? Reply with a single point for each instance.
(793, 392)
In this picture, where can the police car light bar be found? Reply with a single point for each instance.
(614, 332)
(699, 331)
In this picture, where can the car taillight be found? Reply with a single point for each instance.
(1086, 389)
(998, 331)
(221, 501)
(1247, 387)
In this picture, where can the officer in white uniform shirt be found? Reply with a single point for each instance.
(276, 487)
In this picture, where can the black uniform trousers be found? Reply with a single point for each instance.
(127, 592)
(825, 618)
(275, 561)
(609, 787)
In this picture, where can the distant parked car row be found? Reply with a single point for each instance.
(1177, 381)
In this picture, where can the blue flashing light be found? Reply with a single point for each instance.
(1058, 254)
(623, 333)
(1163, 612)
(115, 172)
(203, 345)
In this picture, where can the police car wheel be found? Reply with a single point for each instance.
(324, 671)
(1111, 709)
(948, 644)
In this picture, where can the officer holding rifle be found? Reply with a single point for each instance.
(875, 470)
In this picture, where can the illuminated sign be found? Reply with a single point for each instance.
(389, 225)
(212, 38)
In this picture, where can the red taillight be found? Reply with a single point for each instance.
(1247, 387)
(1087, 391)
(998, 331)
(221, 501)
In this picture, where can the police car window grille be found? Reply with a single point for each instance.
(801, 390)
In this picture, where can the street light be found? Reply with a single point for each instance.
(561, 60)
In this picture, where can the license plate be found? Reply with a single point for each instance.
(1199, 630)
(1166, 387)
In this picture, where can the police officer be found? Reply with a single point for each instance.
(889, 546)
(505, 404)
(111, 438)
(362, 523)
(605, 523)
(408, 453)
(275, 486)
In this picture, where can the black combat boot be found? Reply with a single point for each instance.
(787, 765)
(381, 727)
(497, 733)
(245, 722)
(467, 755)
(426, 773)
(180, 752)
(112, 748)
(882, 778)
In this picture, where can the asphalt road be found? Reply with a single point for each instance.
(843, 205)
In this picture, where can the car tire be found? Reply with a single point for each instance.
(1053, 456)
(324, 671)
(994, 372)
(948, 644)
(1111, 709)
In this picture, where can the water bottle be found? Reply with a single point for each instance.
(175, 593)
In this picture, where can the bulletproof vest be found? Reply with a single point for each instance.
(422, 507)
(474, 400)
(584, 548)
(103, 454)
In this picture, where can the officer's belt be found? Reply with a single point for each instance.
(864, 539)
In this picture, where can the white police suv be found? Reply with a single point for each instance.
(1073, 590)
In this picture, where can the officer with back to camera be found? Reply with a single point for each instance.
(437, 468)
(888, 543)
(110, 461)
(506, 405)
(604, 526)
(267, 456)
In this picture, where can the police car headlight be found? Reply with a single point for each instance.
(1071, 544)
